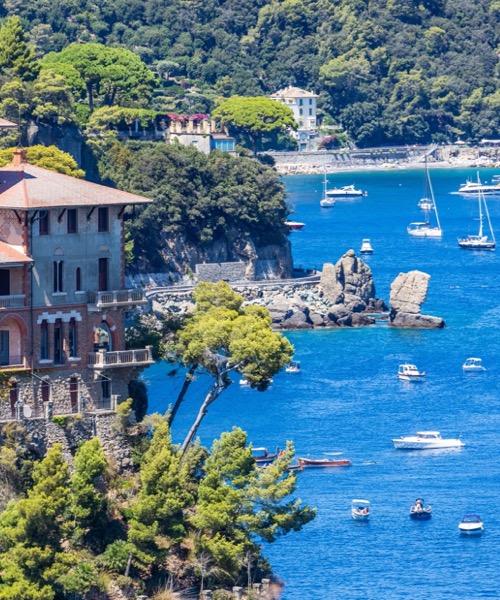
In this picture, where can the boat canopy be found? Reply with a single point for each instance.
(472, 518)
(360, 502)
(428, 434)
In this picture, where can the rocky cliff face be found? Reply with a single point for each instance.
(408, 293)
(180, 256)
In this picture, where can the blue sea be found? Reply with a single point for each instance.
(348, 399)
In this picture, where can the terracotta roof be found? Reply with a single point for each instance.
(293, 92)
(10, 255)
(5, 123)
(25, 186)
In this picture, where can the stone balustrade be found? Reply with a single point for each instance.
(116, 298)
(12, 301)
(120, 358)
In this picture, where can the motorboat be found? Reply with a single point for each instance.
(366, 247)
(294, 225)
(245, 383)
(360, 510)
(420, 512)
(425, 204)
(480, 241)
(471, 525)
(346, 191)
(476, 187)
(426, 440)
(407, 372)
(473, 365)
(323, 462)
(293, 367)
(426, 230)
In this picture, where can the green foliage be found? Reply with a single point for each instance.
(48, 157)
(254, 117)
(17, 57)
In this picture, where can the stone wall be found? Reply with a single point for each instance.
(227, 271)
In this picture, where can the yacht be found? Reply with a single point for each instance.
(346, 191)
(409, 372)
(473, 365)
(475, 187)
(326, 201)
(425, 440)
(425, 204)
(480, 241)
(366, 247)
(426, 230)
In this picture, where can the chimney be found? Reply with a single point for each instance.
(19, 157)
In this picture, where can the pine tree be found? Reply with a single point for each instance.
(16, 55)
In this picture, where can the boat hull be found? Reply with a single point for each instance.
(431, 445)
(476, 529)
(310, 462)
(423, 515)
(432, 232)
(416, 378)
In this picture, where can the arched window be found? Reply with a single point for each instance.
(78, 279)
(102, 337)
(58, 343)
(44, 340)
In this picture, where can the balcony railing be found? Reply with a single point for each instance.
(14, 301)
(120, 358)
(116, 298)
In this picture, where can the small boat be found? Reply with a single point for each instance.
(294, 225)
(426, 440)
(471, 525)
(425, 230)
(472, 365)
(472, 188)
(366, 247)
(409, 372)
(419, 512)
(480, 241)
(245, 383)
(346, 191)
(360, 510)
(293, 367)
(323, 462)
(262, 456)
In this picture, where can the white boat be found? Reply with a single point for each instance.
(360, 510)
(425, 204)
(426, 440)
(326, 201)
(346, 191)
(366, 247)
(294, 225)
(426, 230)
(473, 365)
(407, 372)
(293, 367)
(471, 188)
(480, 241)
(471, 525)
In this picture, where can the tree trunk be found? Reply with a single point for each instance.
(182, 393)
(91, 97)
(212, 395)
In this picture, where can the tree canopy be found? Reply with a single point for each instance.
(254, 117)
(48, 157)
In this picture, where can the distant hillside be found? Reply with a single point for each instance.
(389, 71)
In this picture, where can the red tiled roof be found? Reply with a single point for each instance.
(10, 256)
(25, 186)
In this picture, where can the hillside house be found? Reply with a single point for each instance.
(62, 294)
(303, 105)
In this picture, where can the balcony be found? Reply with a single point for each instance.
(14, 301)
(121, 358)
(116, 299)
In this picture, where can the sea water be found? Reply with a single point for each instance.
(348, 399)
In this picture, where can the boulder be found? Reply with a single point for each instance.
(298, 320)
(349, 277)
(408, 293)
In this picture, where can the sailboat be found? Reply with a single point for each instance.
(425, 229)
(480, 241)
(326, 201)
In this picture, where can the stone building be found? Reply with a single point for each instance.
(62, 296)
(200, 132)
(303, 105)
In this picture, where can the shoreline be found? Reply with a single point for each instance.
(303, 169)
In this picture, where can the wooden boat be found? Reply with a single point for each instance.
(262, 457)
(419, 512)
(324, 462)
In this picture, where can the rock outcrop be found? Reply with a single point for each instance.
(408, 293)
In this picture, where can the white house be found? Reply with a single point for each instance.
(303, 105)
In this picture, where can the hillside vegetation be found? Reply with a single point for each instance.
(389, 71)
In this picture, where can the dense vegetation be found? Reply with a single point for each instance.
(389, 71)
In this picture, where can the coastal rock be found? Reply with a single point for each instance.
(408, 293)
(298, 320)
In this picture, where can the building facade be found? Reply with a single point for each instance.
(303, 105)
(62, 294)
(200, 132)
